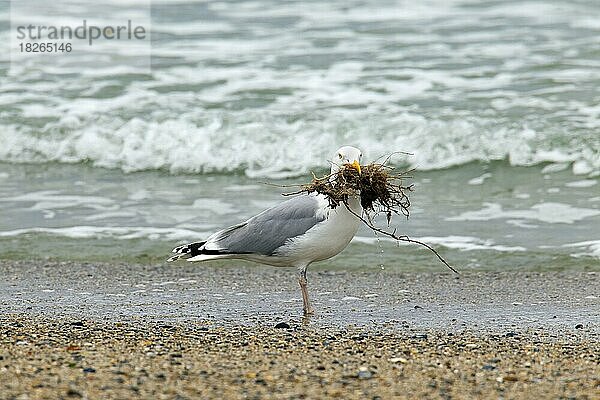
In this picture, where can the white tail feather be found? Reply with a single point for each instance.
(206, 257)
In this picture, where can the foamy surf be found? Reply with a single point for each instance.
(269, 146)
(103, 232)
(228, 96)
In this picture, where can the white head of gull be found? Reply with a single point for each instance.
(294, 233)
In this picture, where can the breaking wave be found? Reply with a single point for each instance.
(231, 91)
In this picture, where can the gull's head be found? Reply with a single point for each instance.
(346, 155)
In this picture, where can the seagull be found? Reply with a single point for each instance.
(294, 233)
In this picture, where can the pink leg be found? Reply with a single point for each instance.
(308, 310)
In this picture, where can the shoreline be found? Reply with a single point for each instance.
(87, 330)
(248, 294)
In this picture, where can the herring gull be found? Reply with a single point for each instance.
(294, 233)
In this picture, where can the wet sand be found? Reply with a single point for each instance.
(71, 330)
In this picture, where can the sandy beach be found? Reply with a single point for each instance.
(71, 330)
(50, 357)
(116, 149)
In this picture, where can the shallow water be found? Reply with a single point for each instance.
(514, 218)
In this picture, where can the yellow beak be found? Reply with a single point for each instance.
(356, 166)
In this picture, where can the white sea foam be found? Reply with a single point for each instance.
(124, 232)
(209, 142)
(552, 213)
(591, 248)
(585, 183)
(228, 93)
(583, 167)
(480, 179)
(465, 243)
(555, 167)
(109, 215)
(53, 199)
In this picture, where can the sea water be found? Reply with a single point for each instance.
(496, 101)
(517, 217)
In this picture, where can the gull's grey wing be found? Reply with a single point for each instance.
(269, 230)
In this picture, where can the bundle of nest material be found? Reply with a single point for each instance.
(379, 187)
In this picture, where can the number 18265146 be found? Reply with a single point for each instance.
(47, 47)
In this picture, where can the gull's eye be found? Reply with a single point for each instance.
(340, 156)
(360, 155)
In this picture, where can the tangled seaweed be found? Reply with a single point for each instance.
(381, 192)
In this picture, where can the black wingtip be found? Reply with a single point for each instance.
(187, 251)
